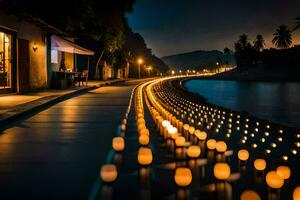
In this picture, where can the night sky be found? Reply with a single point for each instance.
(176, 26)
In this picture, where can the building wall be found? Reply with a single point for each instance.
(28, 31)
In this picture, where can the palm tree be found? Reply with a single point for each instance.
(243, 41)
(282, 37)
(259, 43)
(297, 23)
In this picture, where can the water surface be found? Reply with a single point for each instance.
(275, 101)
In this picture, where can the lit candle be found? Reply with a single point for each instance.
(108, 173)
(243, 154)
(118, 143)
(180, 141)
(211, 144)
(144, 156)
(183, 177)
(274, 180)
(250, 195)
(260, 164)
(296, 193)
(193, 151)
(284, 172)
(221, 146)
(222, 171)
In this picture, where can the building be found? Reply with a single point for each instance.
(31, 51)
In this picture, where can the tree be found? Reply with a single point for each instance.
(297, 23)
(282, 37)
(244, 52)
(243, 40)
(259, 43)
(227, 52)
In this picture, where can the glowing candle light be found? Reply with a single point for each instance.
(202, 135)
(285, 158)
(108, 173)
(211, 144)
(284, 172)
(165, 123)
(243, 154)
(274, 180)
(123, 127)
(260, 164)
(221, 146)
(144, 156)
(193, 151)
(222, 171)
(250, 195)
(183, 177)
(296, 193)
(118, 143)
(180, 141)
(144, 139)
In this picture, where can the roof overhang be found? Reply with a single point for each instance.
(61, 44)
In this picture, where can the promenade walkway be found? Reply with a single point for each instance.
(56, 154)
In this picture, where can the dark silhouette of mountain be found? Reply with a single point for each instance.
(198, 59)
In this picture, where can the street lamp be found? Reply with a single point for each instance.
(218, 66)
(140, 61)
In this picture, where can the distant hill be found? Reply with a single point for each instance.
(197, 59)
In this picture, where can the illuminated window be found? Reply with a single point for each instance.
(5, 60)
(54, 56)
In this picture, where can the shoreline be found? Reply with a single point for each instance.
(260, 73)
(181, 85)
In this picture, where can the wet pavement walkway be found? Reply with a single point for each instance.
(57, 153)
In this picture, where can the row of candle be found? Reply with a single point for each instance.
(166, 122)
(109, 171)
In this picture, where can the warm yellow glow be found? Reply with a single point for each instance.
(243, 154)
(193, 151)
(250, 195)
(140, 61)
(202, 135)
(144, 131)
(165, 123)
(180, 141)
(260, 164)
(274, 180)
(108, 173)
(296, 193)
(211, 144)
(221, 171)
(191, 130)
(183, 176)
(144, 156)
(221, 146)
(284, 172)
(144, 139)
(118, 143)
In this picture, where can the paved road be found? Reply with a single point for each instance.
(56, 154)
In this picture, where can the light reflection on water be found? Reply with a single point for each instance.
(275, 101)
